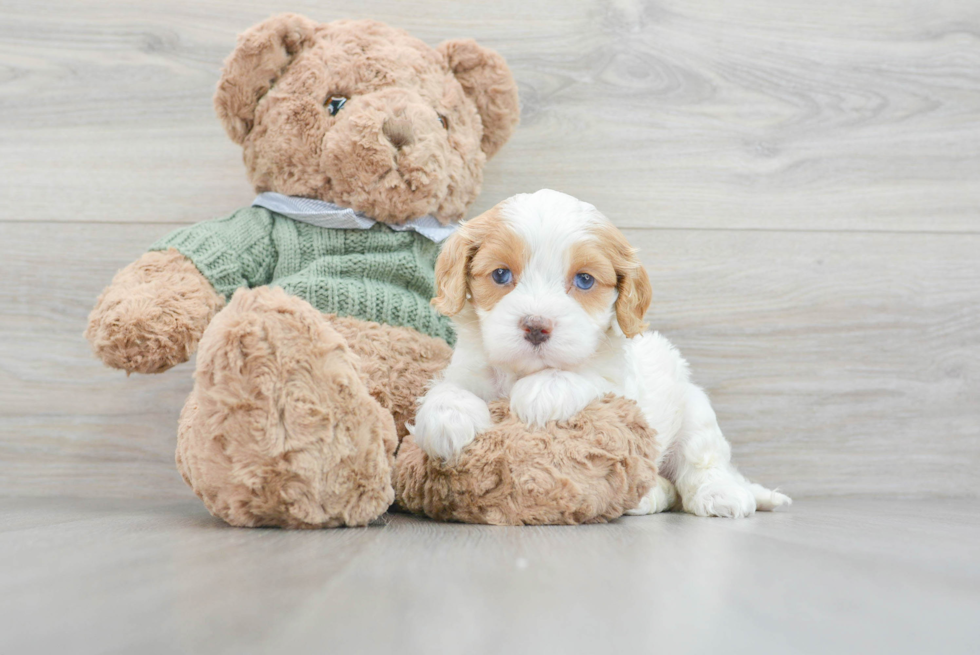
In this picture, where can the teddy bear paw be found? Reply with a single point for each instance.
(153, 314)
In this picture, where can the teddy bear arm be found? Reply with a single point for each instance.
(235, 251)
(591, 468)
(152, 314)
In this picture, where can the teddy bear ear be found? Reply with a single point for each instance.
(262, 54)
(487, 80)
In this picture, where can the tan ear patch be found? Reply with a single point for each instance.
(632, 281)
(469, 257)
(590, 258)
(501, 248)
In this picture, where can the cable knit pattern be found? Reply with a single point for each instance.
(376, 275)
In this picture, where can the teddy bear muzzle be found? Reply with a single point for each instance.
(385, 154)
(389, 156)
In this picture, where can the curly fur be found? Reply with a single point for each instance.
(451, 108)
(279, 429)
(396, 363)
(484, 76)
(153, 314)
(589, 469)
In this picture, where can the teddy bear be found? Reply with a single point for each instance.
(310, 310)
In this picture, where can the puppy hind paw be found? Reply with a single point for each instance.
(766, 500)
(661, 498)
(733, 501)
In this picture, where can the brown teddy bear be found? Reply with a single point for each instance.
(366, 147)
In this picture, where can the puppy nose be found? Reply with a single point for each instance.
(398, 131)
(537, 329)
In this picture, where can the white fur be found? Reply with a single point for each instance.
(551, 395)
(449, 420)
(585, 357)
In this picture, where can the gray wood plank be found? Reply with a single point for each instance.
(772, 114)
(828, 576)
(838, 363)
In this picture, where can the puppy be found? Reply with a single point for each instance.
(548, 299)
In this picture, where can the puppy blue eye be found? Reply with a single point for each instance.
(335, 104)
(502, 276)
(584, 281)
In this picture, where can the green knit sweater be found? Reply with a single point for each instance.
(377, 275)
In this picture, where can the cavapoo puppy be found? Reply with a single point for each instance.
(548, 299)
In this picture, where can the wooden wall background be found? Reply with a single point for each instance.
(803, 179)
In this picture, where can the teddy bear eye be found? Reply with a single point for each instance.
(444, 121)
(335, 104)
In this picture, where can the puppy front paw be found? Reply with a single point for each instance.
(448, 421)
(550, 395)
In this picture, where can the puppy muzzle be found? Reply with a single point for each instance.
(537, 329)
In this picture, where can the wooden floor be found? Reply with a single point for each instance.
(832, 576)
(803, 179)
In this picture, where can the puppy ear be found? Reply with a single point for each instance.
(453, 264)
(632, 282)
(487, 81)
(451, 269)
(635, 296)
(262, 54)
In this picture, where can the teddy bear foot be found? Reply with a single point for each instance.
(279, 429)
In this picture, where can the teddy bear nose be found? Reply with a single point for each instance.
(398, 131)
(537, 329)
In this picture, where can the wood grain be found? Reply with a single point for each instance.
(771, 114)
(829, 576)
(838, 362)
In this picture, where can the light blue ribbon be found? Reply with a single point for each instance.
(329, 215)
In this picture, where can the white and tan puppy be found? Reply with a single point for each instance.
(548, 299)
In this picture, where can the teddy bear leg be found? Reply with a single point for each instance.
(397, 363)
(279, 429)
